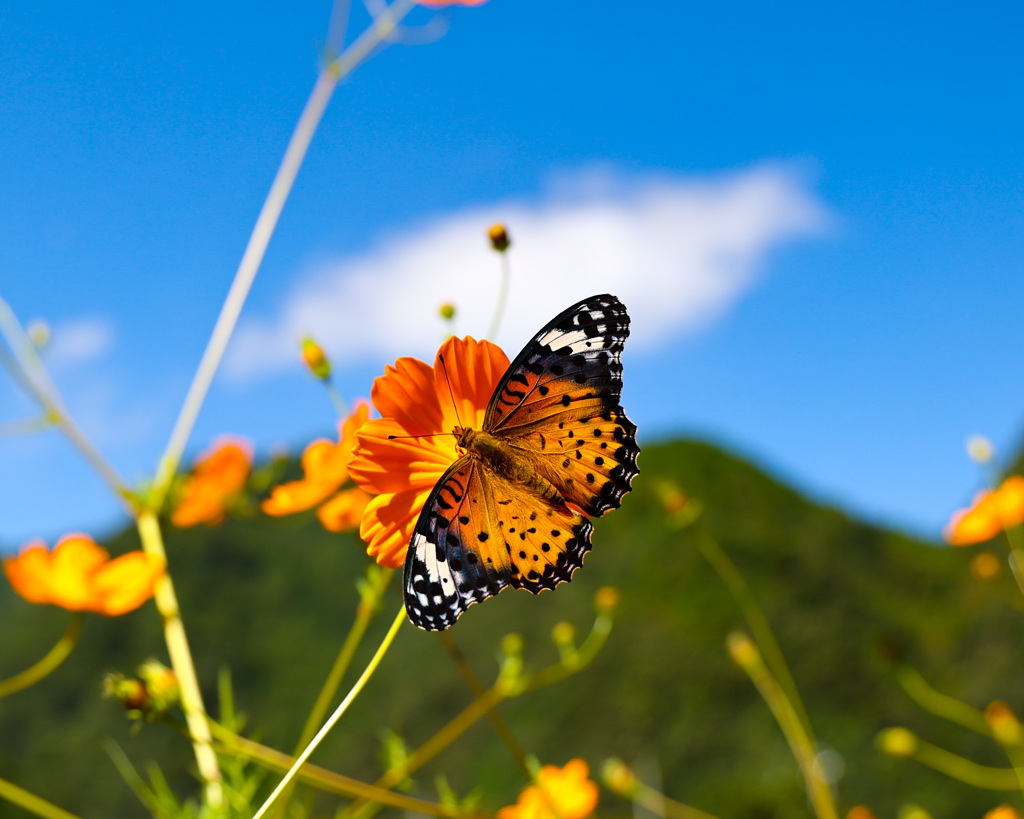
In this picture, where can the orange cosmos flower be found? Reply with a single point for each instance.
(218, 475)
(991, 513)
(325, 469)
(414, 400)
(78, 575)
(560, 793)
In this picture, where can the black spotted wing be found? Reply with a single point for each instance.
(479, 533)
(558, 405)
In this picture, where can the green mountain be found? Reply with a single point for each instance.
(272, 600)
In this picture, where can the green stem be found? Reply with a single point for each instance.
(745, 653)
(25, 426)
(32, 803)
(266, 222)
(181, 660)
(368, 606)
(497, 720)
(660, 805)
(940, 704)
(322, 778)
(499, 308)
(756, 620)
(54, 657)
(979, 776)
(334, 394)
(341, 709)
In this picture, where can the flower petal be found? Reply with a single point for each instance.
(473, 369)
(29, 572)
(406, 393)
(72, 564)
(387, 525)
(344, 511)
(380, 464)
(126, 582)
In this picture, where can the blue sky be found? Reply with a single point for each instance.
(813, 212)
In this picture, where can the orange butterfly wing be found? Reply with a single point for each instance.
(557, 409)
(559, 405)
(477, 534)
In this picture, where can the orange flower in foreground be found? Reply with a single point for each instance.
(414, 400)
(218, 475)
(1003, 812)
(560, 793)
(325, 469)
(990, 514)
(78, 575)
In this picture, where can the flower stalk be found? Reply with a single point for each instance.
(32, 803)
(54, 657)
(181, 660)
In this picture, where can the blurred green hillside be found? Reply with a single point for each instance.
(272, 600)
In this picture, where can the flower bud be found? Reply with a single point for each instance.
(564, 636)
(860, 812)
(499, 237)
(447, 311)
(980, 449)
(607, 599)
(619, 777)
(897, 742)
(38, 333)
(985, 566)
(912, 811)
(1003, 722)
(315, 359)
(742, 650)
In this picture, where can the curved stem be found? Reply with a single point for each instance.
(54, 657)
(181, 661)
(756, 620)
(341, 709)
(32, 803)
(266, 222)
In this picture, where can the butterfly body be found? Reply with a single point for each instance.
(554, 446)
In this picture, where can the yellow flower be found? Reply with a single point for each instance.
(1002, 812)
(218, 475)
(990, 514)
(325, 469)
(559, 793)
(78, 575)
(414, 400)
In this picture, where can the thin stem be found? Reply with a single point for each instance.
(54, 657)
(32, 803)
(322, 778)
(341, 709)
(503, 689)
(181, 661)
(30, 373)
(25, 426)
(499, 308)
(369, 603)
(957, 767)
(942, 705)
(660, 805)
(747, 656)
(334, 394)
(497, 720)
(266, 222)
(756, 620)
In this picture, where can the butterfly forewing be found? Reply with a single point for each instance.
(559, 404)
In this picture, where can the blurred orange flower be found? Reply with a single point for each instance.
(1003, 812)
(991, 513)
(325, 469)
(560, 793)
(414, 400)
(218, 475)
(78, 575)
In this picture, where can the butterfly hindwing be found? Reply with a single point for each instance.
(477, 534)
(559, 404)
(449, 566)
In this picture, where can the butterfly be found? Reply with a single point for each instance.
(554, 443)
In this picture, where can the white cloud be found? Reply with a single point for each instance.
(78, 342)
(676, 251)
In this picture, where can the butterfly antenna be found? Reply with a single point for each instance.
(425, 435)
(448, 381)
